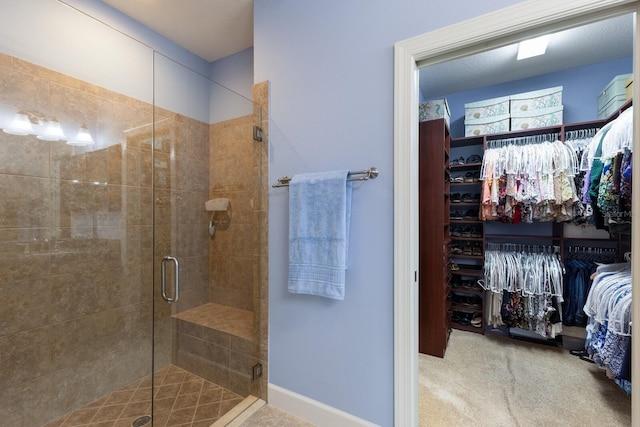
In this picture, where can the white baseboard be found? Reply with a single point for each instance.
(311, 410)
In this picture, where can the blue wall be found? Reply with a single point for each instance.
(330, 65)
(235, 72)
(581, 87)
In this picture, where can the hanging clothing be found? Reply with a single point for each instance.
(529, 179)
(525, 288)
(580, 265)
(608, 307)
(607, 160)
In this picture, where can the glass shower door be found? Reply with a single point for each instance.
(209, 286)
(75, 221)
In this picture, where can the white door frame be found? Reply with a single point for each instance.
(496, 29)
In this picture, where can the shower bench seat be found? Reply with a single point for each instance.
(217, 342)
(223, 318)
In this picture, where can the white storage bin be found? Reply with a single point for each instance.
(538, 118)
(613, 90)
(614, 104)
(486, 108)
(486, 125)
(434, 109)
(544, 98)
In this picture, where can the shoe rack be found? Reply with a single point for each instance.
(466, 235)
(434, 225)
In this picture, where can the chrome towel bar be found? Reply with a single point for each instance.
(364, 175)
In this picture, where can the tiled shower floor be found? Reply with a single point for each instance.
(181, 399)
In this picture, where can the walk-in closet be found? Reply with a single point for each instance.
(525, 188)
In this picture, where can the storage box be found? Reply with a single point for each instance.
(486, 108)
(486, 125)
(612, 106)
(538, 118)
(535, 100)
(629, 87)
(613, 90)
(434, 109)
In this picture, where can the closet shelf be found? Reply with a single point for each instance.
(466, 308)
(468, 204)
(520, 237)
(463, 272)
(480, 257)
(460, 184)
(465, 166)
(463, 290)
(468, 328)
(464, 239)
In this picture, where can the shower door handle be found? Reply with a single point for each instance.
(176, 274)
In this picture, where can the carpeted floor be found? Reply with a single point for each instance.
(494, 381)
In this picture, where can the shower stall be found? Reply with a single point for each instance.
(119, 307)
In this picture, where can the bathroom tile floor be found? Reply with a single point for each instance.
(181, 399)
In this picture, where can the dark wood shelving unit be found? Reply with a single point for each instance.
(434, 286)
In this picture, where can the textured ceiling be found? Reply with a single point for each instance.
(211, 29)
(598, 42)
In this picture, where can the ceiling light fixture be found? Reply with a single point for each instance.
(533, 47)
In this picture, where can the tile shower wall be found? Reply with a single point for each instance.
(238, 252)
(234, 250)
(76, 241)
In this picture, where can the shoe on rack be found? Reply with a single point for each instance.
(455, 231)
(474, 158)
(454, 266)
(455, 249)
(476, 176)
(466, 249)
(457, 178)
(471, 214)
(476, 249)
(455, 198)
(467, 198)
(468, 177)
(458, 161)
(476, 320)
(456, 214)
(476, 198)
(475, 232)
(465, 318)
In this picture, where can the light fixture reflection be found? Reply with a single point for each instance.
(20, 125)
(52, 132)
(83, 137)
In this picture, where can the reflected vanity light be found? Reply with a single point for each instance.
(83, 137)
(46, 129)
(21, 125)
(52, 132)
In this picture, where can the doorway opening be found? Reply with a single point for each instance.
(487, 32)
